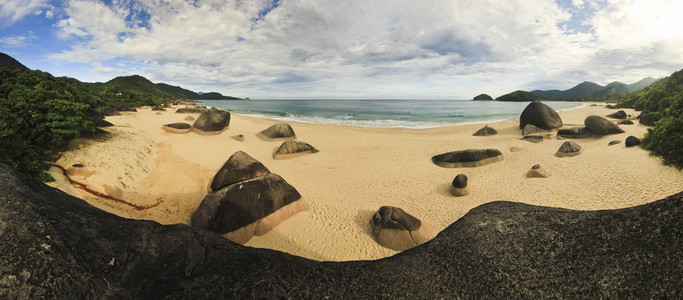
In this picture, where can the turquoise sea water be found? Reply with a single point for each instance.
(382, 113)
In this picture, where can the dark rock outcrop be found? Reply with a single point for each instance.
(601, 126)
(568, 149)
(485, 131)
(179, 128)
(541, 116)
(574, 133)
(211, 122)
(239, 167)
(289, 149)
(460, 186)
(395, 229)
(617, 115)
(280, 131)
(632, 141)
(54, 245)
(467, 158)
(245, 199)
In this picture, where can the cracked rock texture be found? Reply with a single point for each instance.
(53, 245)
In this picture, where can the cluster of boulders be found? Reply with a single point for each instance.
(289, 147)
(209, 122)
(246, 199)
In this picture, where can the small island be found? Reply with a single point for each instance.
(483, 97)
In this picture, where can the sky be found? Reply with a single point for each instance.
(391, 49)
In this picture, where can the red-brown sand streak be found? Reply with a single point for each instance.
(84, 187)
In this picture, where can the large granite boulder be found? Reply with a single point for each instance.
(245, 199)
(617, 115)
(541, 116)
(467, 158)
(460, 186)
(395, 229)
(56, 246)
(178, 128)
(632, 141)
(239, 167)
(211, 122)
(485, 131)
(601, 126)
(290, 149)
(568, 149)
(574, 133)
(281, 131)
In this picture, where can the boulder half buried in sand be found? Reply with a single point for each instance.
(574, 133)
(280, 131)
(395, 229)
(533, 138)
(485, 131)
(290, 149)
(601, 126)
(239, 167)
(618, 115)
(178, 128)
(238, 137)
(632, 141)
(467, 158)
(568, 149)
(211, 122)
(538, 172)
(247, 208)
(531, 129)
(460, 186)
(541, 116)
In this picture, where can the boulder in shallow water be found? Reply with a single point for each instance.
(395, 229)
(280, 131)
(568, 149)
(178, 128)
(211, 122)
(485, 131)
(601, 126)
(541, 116)
(290, 149)
(632, 141)
(460, 186)
(239, 167)
(467, 158)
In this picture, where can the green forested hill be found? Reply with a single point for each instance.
(10, 62)
(177, 91)
(519, 96)
(662, 106)
(216, 96)
(132, 91)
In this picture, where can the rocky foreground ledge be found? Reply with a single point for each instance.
(53, 245)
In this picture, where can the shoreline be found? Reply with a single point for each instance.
(359, 169)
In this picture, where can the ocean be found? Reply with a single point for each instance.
(382, 113)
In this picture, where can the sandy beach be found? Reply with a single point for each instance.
(359, 170)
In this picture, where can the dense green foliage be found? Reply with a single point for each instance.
(177, 91)
(662, 105)
(38, 113)
(519, 96)
(132, 91)
(10, 62)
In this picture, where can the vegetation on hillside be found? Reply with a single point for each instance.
(216, 96)
(519, 96)
(132, 91)
(662, 106)
(40, 113)
(483, 97)
(592, 91)
(177, 91)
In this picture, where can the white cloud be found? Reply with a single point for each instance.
(367, 48)
(14, 41)
(14, 10)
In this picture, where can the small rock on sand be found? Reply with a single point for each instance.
(238, 137)
(395, 229)
(632, 141)
(279, 131)
(460, 186)
(289, 149)
(538, 172)
(568, 149)
(467, 158)
(485, 131)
